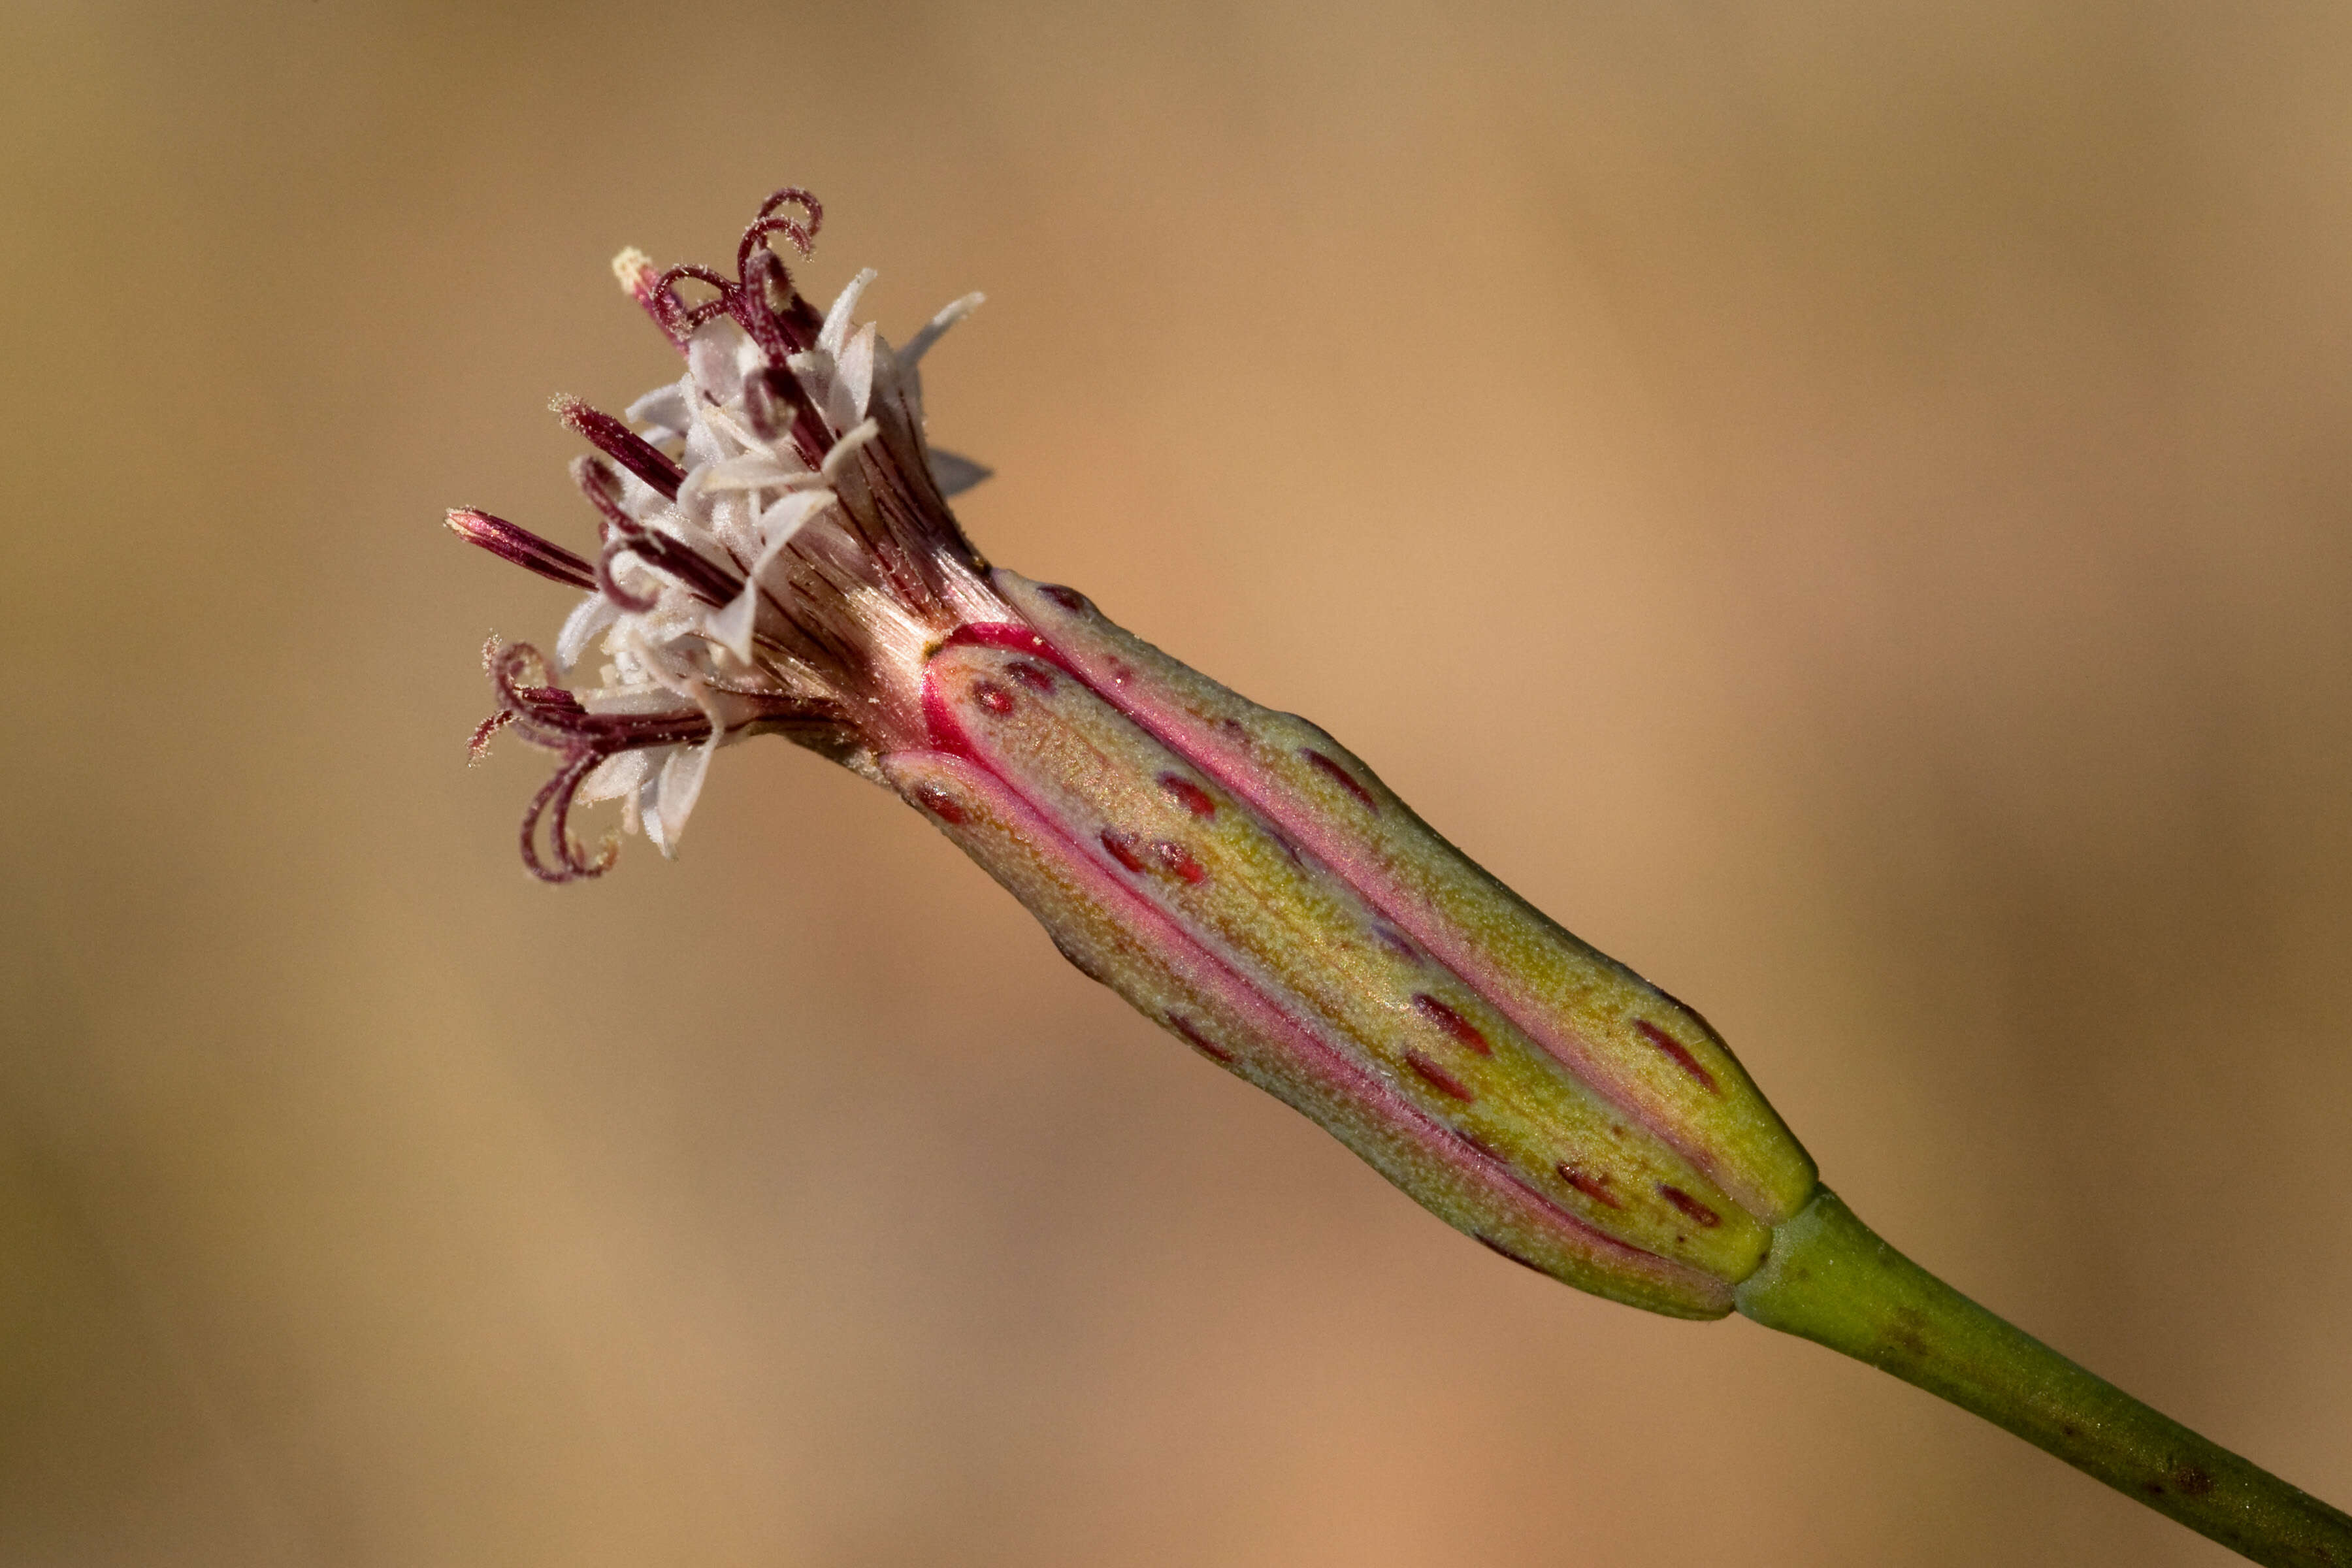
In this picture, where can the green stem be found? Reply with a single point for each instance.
(1830, 1280)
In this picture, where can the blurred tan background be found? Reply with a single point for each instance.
(1844, 504)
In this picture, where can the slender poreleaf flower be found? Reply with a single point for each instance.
(776, 554)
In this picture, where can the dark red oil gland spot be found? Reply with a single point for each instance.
(1396, 942)
(1034, 676)
(1690, 1206)
(992, 697)
(1438, 1078)
(1069, 599)
(1121, 672)
(1506, 1252)
(1481, 1146)
(1188, 795)
(1452, 1022)
(1592, 1185)
(1680, 1052)
(1201, 1043)
(1177, 861)
(1122, 848)
(1340, 775)
(2190, 1480)
(940, 804)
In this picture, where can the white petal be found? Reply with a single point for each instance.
(668, 800)
(837, 320)
(724, 420)
(648, 806)
(921, 343)
(587, 619)
(704, 447)
(617, 776)
(714, 356)
(836, 460)
(857, 371)
(689, 493)
(813, 370)
(664, 408)
(749, 356)
(638, 498)
(753, 471)
(786, 517)
(731, 625)
(632, 701)
(729, 712)
(955, 473)
(732, 517)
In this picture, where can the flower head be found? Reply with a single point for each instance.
(776, 551)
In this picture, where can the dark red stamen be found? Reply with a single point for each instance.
(753, 302)
(765, 223)
(680, 318)
(1437, 1078)
(1188, 795)
(1680, 1052)
(477, 746)
(1345, 779)
(621, 444)
(602, 486)
(707, 579)
(1690, 1206)
(1175, 858)
(659, 302)
(1595, 1187)
(526, 550)
(553, 802)
(548, 715)
(610, 586)
(552, 717)
(773, 401)
(1121, 847)
(1452, 1022)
